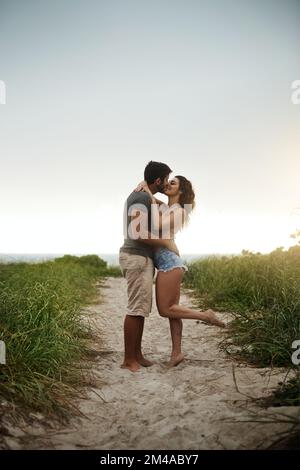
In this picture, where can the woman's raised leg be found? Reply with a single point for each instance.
(167, 288)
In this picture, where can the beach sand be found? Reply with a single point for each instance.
(195, 405)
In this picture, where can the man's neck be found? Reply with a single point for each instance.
(152, 188)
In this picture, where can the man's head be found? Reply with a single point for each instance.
(156, 176)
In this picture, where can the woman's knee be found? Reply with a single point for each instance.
(163, 311)
(166, 310)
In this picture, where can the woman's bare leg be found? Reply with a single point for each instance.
(167, 288)
(176, 335)
(175, 328)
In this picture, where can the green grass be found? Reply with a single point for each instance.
(288, 393)
(41, 324)
(263, 294)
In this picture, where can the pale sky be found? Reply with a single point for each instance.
(96, 89)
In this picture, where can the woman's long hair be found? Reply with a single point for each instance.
(187, 196)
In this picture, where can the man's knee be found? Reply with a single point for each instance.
(134, 318)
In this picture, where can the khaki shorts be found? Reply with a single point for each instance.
(138, 271)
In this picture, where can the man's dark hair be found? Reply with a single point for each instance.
(156, 170)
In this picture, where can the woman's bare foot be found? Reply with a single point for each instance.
(145, 362)
(210, 318)
(175, 360)
(133, 366)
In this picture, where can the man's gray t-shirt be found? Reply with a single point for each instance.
(143, 201)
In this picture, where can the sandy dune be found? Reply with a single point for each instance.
(193, 406)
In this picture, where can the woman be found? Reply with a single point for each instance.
(171, 218)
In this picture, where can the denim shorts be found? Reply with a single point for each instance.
(166, 260)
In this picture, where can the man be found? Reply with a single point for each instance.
(136, 261)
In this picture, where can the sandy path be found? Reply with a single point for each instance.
(159, 408)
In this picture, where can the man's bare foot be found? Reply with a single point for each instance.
(133, 366)
(175, 360)
(210, 318)
(145, 362)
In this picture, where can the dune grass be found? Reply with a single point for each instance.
(42, 327)
(263, 294)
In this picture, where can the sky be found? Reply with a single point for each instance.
(96, 89)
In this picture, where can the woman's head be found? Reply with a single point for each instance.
(181, 189)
